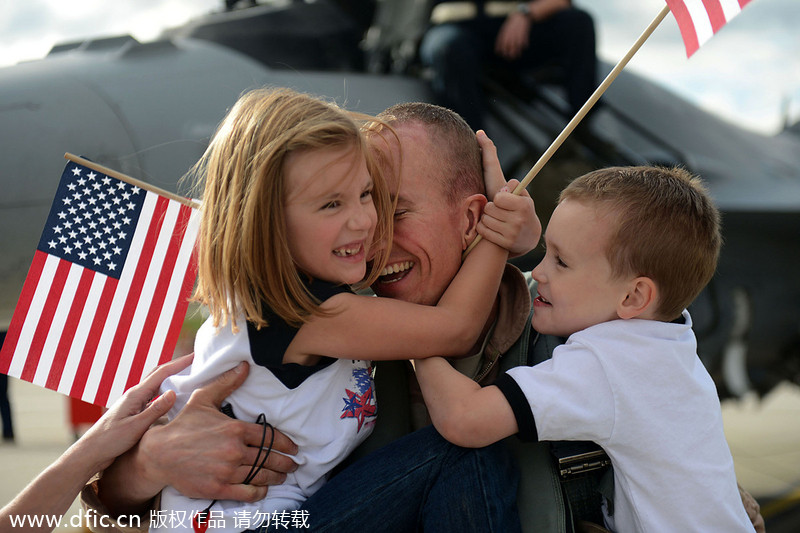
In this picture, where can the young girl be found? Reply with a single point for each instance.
(295, 210)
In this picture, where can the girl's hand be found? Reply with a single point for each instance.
(510, 221)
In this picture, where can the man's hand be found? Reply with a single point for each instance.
(201, 452)
(753, 510)
(205, 454)
(512, 39)
(508, 220)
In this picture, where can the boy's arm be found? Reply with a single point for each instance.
(462, 411)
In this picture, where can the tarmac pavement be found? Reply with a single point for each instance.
(763, 434)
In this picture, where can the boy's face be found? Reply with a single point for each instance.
(575, 285)
(330, 216)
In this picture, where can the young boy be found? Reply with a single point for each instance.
(627, 250)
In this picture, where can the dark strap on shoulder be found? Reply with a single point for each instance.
(546, 500)
(540, 499)
(530, 349)
(541, 349)
(520, 353)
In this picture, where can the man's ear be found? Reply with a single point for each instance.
(471, 211)
(640, 301)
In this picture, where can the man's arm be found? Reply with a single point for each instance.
(202, 453)
(512, 38)
(463, 412)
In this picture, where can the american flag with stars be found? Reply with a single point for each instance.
(108, 288)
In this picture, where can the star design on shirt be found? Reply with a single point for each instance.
(359, 406)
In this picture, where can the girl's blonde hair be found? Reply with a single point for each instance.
(244, 264)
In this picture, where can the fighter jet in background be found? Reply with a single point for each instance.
(149, 109)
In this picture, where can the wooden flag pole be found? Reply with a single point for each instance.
(133, 181)
(545, 157)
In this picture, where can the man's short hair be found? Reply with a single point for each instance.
(459, 170)
(667, 228)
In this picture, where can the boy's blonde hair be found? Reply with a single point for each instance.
(667, 228)
(244, 264)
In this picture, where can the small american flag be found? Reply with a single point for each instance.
(699, 20)
(106, 294)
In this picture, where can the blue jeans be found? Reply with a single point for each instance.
(457, 54)
(420, 482)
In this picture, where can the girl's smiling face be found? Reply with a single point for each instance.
(330, 215)
(575, 283)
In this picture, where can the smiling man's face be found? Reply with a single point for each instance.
(428, 240)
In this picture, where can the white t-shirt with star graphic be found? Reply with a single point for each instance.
(327, 410)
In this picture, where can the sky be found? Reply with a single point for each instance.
(749, 73)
